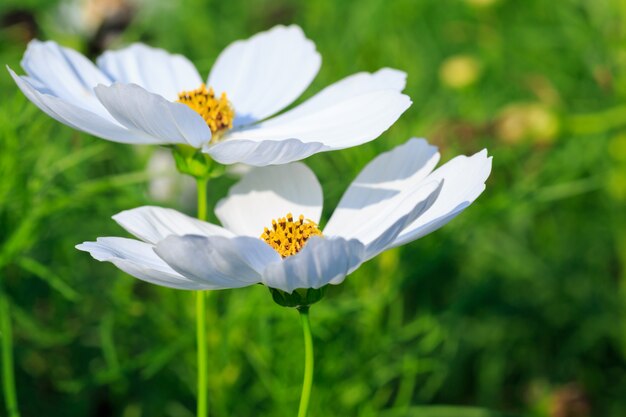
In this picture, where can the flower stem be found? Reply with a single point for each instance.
(201, 184)
(201, 344)
(307, 384)
(202, 354)
(8, 378)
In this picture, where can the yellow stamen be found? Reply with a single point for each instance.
(217, 113)
(287, 236)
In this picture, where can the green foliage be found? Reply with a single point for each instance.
(516, 307)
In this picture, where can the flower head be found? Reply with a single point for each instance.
(217, 113)
(397, 198)
(143, 95)
(287, 236)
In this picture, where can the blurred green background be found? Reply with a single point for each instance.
(516, 308)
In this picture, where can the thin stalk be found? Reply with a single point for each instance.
(8, 377)
(307, 384)
(203, 369)
(201, 184)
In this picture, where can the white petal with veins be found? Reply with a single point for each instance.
(139, 260)
(141, 111)
(349, 122)
(263, 153)
(218, 261)
(79, 117)
(464, 180)
(154, 69)
(65, 73)
(264, 74)
(268, 193)
(322, 261)
(153, 224)
(380, 186)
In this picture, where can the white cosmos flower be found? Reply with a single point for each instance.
(396, 199)
(136, 94)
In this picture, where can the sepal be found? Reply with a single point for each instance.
(300, 297)
(194, 162)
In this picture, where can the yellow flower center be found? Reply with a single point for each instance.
(287, 236)
(217, 113)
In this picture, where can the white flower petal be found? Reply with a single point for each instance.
(153, 224)
(384, 78)
(322, 261)
(267, 193)
(154, 69)
(139, 260)
(78, 117)
(267, 152)
(464, 180)
(385, 228)
(349, 122)
(347, 88)
(264, 74)
(379, 188)
(66, 74)
(142, 111)
(218, 261)
(352, 111)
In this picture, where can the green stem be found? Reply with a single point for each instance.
(202, 354)
(202, 409)
(8, 378)
(201, 184)
(307, 384)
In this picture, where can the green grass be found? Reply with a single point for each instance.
(505, 311)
